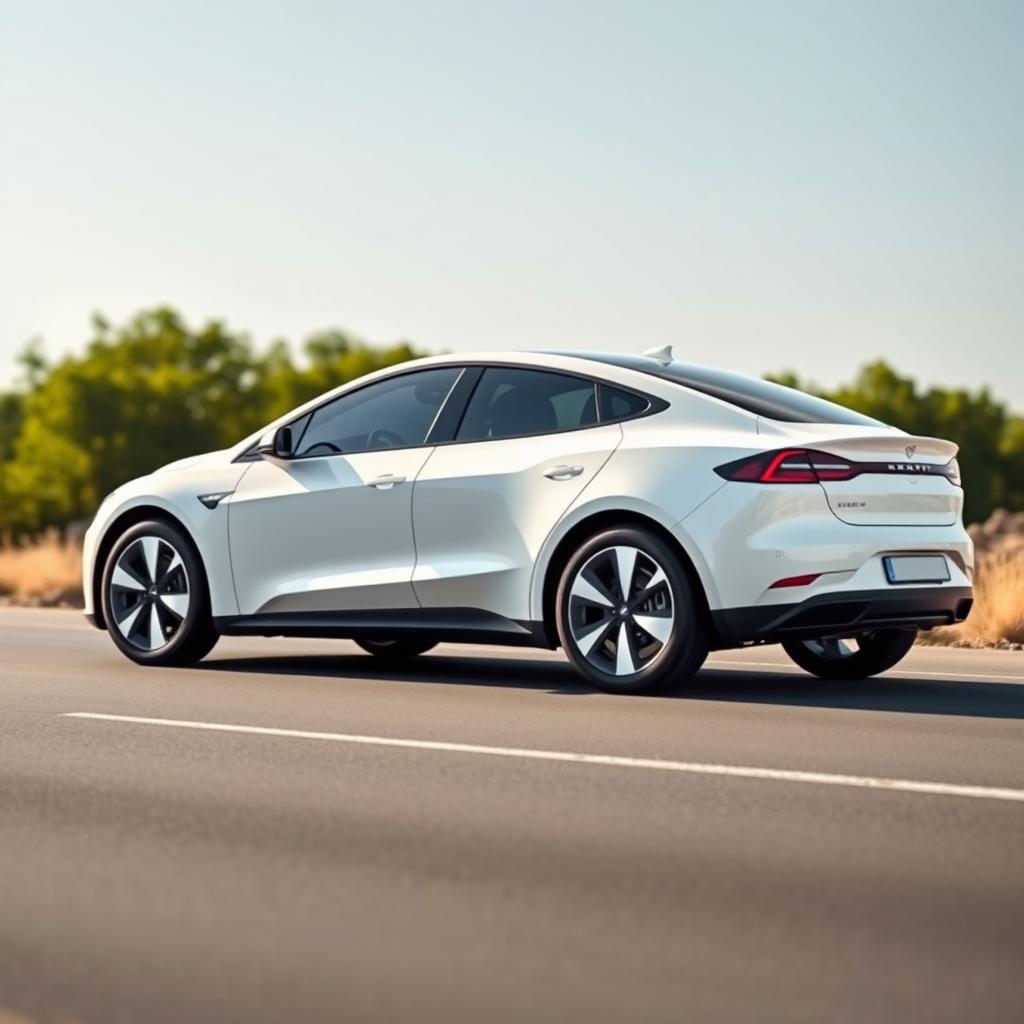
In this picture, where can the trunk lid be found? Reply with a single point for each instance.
(899, 480)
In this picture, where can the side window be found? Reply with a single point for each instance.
(510, 402)
(394, 413)
(620, 405)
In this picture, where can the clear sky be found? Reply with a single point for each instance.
(764, 185)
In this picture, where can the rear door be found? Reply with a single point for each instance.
(528, 444)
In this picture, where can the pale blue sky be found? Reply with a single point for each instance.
(763, 185)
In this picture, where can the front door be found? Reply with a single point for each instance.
(330, 530)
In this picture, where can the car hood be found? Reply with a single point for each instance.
(208, 460)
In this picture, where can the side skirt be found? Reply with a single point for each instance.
(447, 625)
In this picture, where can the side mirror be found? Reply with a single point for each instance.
(276, 444)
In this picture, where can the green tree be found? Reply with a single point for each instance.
(1011, 453)
(11, 405)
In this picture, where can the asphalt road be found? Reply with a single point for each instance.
(414, 842)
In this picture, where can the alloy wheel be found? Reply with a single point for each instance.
(621, 610)
(149, 593)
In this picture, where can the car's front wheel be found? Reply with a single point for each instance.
(854, 657)
(156, 604)
(627, 615)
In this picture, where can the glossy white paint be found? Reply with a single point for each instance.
(750, 537)
(173, 491)
(870, 500)
(325, 534)
(476, 525)
(482, 512)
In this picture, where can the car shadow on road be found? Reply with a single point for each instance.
(920, 696)
(439, 669)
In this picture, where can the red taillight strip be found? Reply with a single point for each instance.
(778, 472)
(807, 466)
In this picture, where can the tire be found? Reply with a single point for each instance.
(640, 640)
(399, 648)
(156, 602)
(836, 659)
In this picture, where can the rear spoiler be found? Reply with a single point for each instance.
(870, 445)
(905, 447)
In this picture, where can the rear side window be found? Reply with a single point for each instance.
(763, 398)
(511, 402)
(617, 404)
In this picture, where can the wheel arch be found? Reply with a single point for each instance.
(115, 528)
(587, 527)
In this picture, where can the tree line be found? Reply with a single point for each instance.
(155, 389)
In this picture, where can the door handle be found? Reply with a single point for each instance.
(385, 482)
(563, 472)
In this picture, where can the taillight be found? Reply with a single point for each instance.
(807, 466)
(789, 466)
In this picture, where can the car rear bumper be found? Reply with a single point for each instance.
(843, 613)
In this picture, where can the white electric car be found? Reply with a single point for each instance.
(635, 511)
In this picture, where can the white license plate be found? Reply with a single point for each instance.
(916, 569)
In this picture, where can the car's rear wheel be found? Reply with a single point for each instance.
(627, 615)
(156, 603)
(397, 648)
(852, 657)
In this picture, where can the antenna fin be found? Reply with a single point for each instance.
(663, 355)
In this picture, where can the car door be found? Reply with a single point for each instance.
(528, 444)
(330, 529)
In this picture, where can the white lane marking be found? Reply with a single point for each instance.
(736, 663)
(689, 767)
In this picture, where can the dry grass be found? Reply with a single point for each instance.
(998, 613)
(48, 571)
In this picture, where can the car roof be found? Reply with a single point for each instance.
(749, 393)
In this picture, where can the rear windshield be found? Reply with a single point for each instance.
(760, 397)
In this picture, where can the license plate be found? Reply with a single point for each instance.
(916, 569)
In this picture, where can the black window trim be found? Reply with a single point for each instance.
(606, 386)
(450, 416)
(445, 427)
